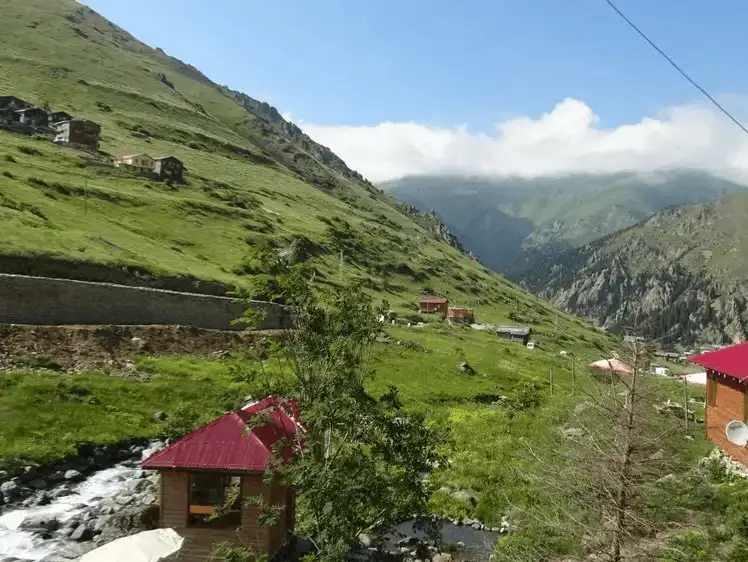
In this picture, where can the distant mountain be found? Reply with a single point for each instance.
(511, 223)
(680, 276)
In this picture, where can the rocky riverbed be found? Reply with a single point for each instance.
(57, 514)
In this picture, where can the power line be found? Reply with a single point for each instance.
(675, 66)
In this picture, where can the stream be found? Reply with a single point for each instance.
(17, 542)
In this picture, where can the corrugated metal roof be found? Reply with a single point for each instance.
(232, 441)
(438, 300)
(731, 361)
(515, 330)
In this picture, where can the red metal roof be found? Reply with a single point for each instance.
(438, 300)
(231, 442)
(731, 361)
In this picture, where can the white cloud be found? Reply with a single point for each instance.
(566, 140)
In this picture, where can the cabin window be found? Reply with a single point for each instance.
(215, 500)
(711, 391)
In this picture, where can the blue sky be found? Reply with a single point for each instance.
(448, 62)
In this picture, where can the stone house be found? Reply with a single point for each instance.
(78, 132)
(59, 117)
(222, 465)
(140, 163)
(32, 117)
(169, 167)
(14, 103)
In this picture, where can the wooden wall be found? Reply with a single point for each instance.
(730, 405)
(199, 541)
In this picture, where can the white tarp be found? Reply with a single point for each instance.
(695, 378)
(148, 546)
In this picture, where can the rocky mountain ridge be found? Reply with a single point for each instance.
(678, 277)
(511, 223)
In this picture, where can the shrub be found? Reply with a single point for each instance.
(29, 150)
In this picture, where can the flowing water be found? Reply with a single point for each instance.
(16, 543)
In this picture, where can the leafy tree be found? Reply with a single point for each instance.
(363, 461)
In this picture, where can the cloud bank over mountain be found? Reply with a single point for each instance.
(566, 140)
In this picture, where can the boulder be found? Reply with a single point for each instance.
(43, 499)
(57, 476)
(40, 523)
(10, 490)
(123, 499)
(466, 368)
(82, 533)
(128, 521)
(441, 557)
(38, 484)
(464, 496)
(73, 475)
(573, 433)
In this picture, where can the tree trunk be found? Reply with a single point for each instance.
(621, 501)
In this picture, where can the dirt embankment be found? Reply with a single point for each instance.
(70, 348)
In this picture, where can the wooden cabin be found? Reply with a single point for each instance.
(431, 304)
(515, 333)
(461, 314)
(726, 395)
(220, 461)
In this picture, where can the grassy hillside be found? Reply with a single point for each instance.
(538, 217)
(682, 271)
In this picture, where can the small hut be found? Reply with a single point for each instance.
(222, 461)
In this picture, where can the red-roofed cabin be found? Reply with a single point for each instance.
(429, 305)
(726, 394)
(461, 314)
(199, 472)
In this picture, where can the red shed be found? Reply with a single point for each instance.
(230, 454)
(430, 305)
(726, 394)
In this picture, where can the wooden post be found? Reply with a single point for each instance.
(685, 403)
(550, 376)
(573, 374)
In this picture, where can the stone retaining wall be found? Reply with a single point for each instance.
(48, 301)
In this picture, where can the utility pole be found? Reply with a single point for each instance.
(685, 404)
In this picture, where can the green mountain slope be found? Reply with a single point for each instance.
(682, 275)
(511, 222)
(250, 177)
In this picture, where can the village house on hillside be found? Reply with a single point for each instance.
(33, 117)
(163, 167)
(59, 117)
(514, 333)
(169, 167)
(433, 304)
(726, 398)
(13, 103)
(141, 163)
(223, 460)
(21, 116)
(78, 132)
(461, 314)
